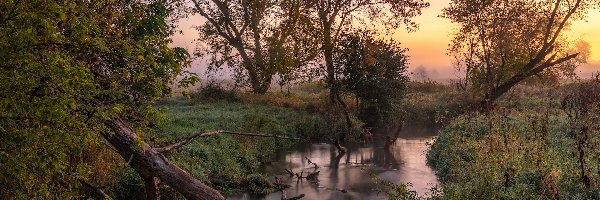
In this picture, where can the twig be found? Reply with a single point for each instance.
(130, 158)
(289, 171)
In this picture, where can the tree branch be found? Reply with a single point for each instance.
(260, 135)
(187, 140)
(179, 144)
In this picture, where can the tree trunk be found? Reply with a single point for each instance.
(149, 163)
(496, 92)
(328, 54)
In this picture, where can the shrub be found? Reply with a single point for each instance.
(214, 92)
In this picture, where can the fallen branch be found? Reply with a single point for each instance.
(310, 162)
(179, 144)
(187, 140)
(149, 163)
(289, 171)
(260, 135)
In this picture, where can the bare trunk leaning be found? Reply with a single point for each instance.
(147, 162)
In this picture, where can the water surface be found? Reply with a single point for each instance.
(403, 162)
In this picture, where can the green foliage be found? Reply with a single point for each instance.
(66, 66)
(259, 184)
(257, 39)
(392, 190)
(502, 43)
(525, 153)
(375, 72)
(130, 185)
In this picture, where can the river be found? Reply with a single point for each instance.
(403, 162)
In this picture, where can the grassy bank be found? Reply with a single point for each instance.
(430, 103)
(538, 144)
(230, 162)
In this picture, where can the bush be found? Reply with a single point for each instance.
(214, 92)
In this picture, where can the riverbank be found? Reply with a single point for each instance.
(540, 143)
(231, 163)
(234, 164)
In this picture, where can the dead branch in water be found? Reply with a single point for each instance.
(289, 171)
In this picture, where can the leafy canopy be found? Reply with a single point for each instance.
(375, 71)
(66, 66)
(501, 43)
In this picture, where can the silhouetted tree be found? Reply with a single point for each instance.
(336, 17)
(257, 39)
(502, 43)
(374, 71)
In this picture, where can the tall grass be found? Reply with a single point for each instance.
(535, 146)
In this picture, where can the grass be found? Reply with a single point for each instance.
(236, 162)
(430, 103)
(226, 155)
(535, 145)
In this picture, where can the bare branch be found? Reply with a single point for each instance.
(179, 144)
(260, 135)
(187, 140)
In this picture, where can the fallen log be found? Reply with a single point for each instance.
(148, 162)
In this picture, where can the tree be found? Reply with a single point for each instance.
(75, 73)
(337, 17)
(374, 70)
(502, 43)
(257, 39)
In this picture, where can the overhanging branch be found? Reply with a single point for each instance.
(187, 140)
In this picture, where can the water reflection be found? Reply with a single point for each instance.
(403, 162)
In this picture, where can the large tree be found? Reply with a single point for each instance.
(374, 70)
(75, 74)
(257, 39)
(502, 43)
(335, 17)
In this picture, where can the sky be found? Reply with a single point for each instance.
(428, 45)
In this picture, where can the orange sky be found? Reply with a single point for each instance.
(428, 45)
